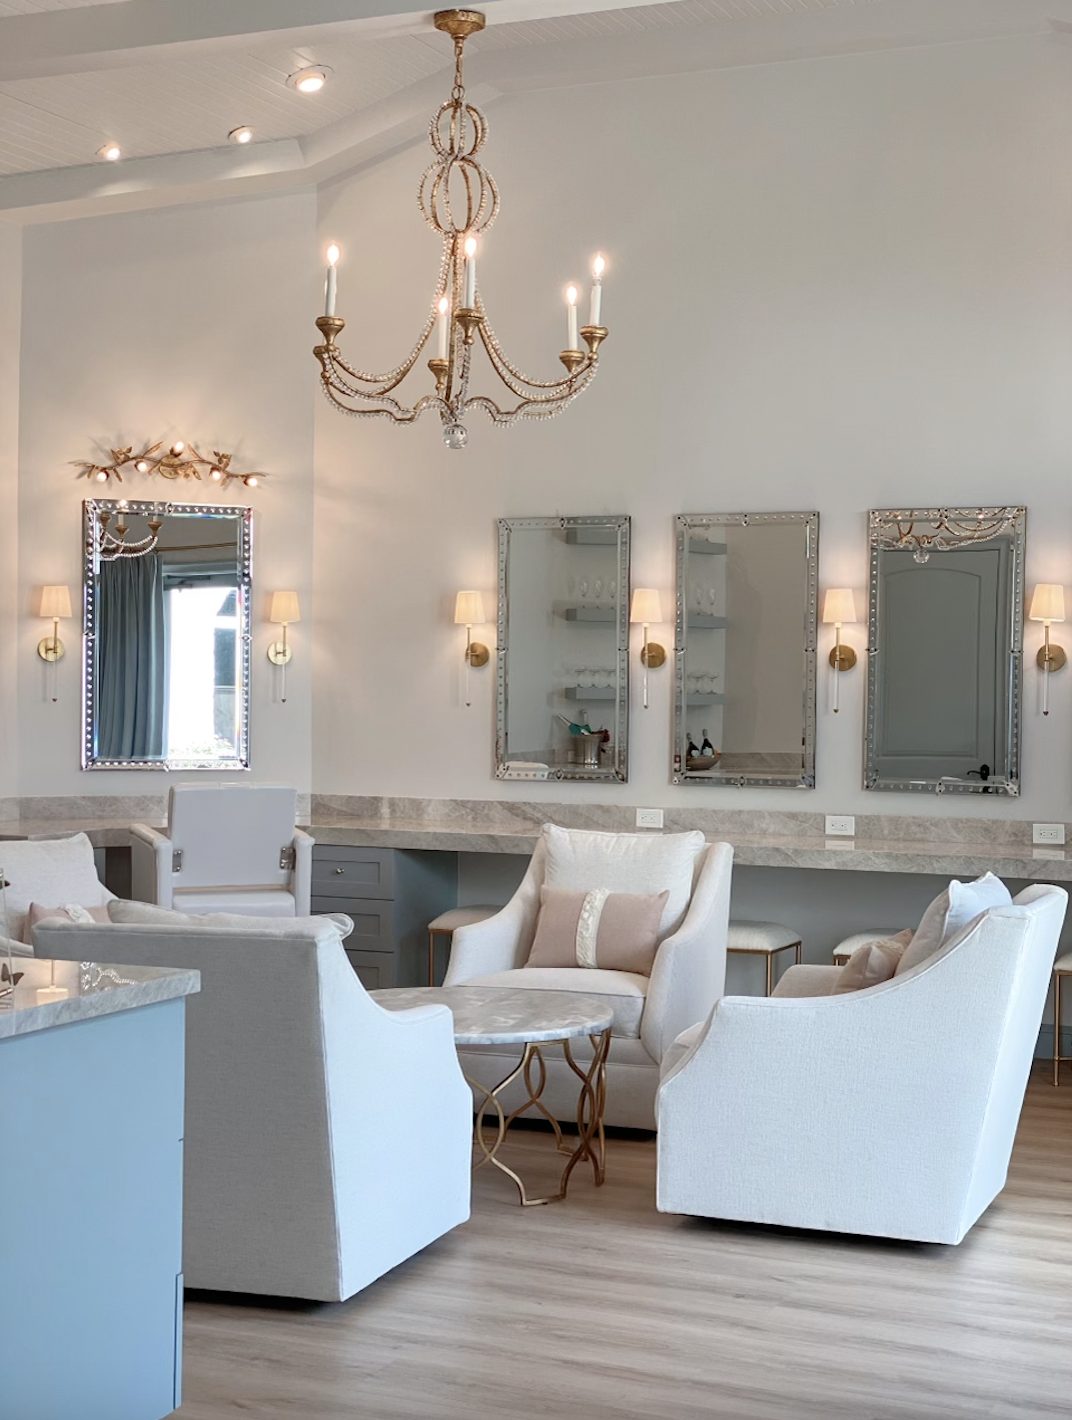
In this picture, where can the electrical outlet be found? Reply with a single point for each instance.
(1047, 833)
(840, 826)
(649, 818)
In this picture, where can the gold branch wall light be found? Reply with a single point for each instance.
(1048, 606)
(54, 606)
(839, 609)
(646, 611)
(469, 612)
(284, 611)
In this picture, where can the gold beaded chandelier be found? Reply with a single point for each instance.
(458, 199)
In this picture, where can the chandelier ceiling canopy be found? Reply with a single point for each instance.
(459, 200)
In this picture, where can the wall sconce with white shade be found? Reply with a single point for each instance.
(284, 611)
(1048, 606)
(646, 610)
(469, 612)
(55, 606)
(839, 609)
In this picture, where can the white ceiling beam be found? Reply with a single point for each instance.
(94, 37)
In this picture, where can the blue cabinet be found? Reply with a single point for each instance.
(91, 1123)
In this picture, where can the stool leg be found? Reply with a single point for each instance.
(798, 951)
(1056, 1028)
(431, 958)
(770, 972)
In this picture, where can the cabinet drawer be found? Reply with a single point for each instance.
(373, 921)
(353, 872)
(376, 970)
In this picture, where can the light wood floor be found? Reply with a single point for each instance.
(603, 1309)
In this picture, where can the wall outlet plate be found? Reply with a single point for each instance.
(1051, 833)
(840, 826)
(649, 818)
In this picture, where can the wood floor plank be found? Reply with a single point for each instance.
(602, 1308)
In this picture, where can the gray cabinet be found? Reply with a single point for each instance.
(391, 894)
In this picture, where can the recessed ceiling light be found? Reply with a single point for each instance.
(110, 152)
(311, 80)
(242, 134)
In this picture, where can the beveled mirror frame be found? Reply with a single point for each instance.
(890, 528)
(243, 516)
(685, 524)
(618, 770)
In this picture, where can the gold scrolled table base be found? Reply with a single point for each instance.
(531, 1020)
(591, 1104)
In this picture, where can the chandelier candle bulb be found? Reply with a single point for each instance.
(442, 327)
(470, 273)
(595, 306)
(331, 284)
(571, 317)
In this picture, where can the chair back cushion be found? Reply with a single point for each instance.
(230, 835)
(581, 860)
(949, 914)
(52, 870)
(144, 914)
(618, 931)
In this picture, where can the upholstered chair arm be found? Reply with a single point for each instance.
(502, 942)
(301, 882)
(150, 864)
(689, 972)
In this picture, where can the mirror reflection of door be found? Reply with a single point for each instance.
(944, 670)
(166, 660)
(945, 647)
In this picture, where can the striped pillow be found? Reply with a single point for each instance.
(614, 931)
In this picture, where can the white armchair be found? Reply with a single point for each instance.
(887, 1111)
(687, 977)
(47, 872)
(327, 1140)
(228, 848)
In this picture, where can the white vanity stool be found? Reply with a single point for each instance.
(763, 939)
(447, 923)
(845, 949)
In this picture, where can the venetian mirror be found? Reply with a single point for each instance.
(945, 650)
(563, 679)
(167, 644)
(745, 649)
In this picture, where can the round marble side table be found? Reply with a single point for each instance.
(531, 1019)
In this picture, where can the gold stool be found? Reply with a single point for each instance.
(845, 949)
(1062, 967)
(447, 923)
(763, 939)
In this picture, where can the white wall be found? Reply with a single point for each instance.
(833, 284)
(10, 290)
(192, 323)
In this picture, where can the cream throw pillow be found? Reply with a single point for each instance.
(613, 931)
(950, 913)
(872, 964)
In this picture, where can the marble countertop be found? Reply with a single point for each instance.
(507, 1015)
(888, 843)
(56, 993)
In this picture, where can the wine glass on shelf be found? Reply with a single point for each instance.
(582, 591)
(597, 591)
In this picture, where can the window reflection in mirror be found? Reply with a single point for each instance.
(944, 673)
(745, 640)
(563, 648)
(167, 645)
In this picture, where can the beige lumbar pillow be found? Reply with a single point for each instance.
(872, 964)
(615, 931)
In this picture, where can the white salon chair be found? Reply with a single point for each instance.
(227, 848)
